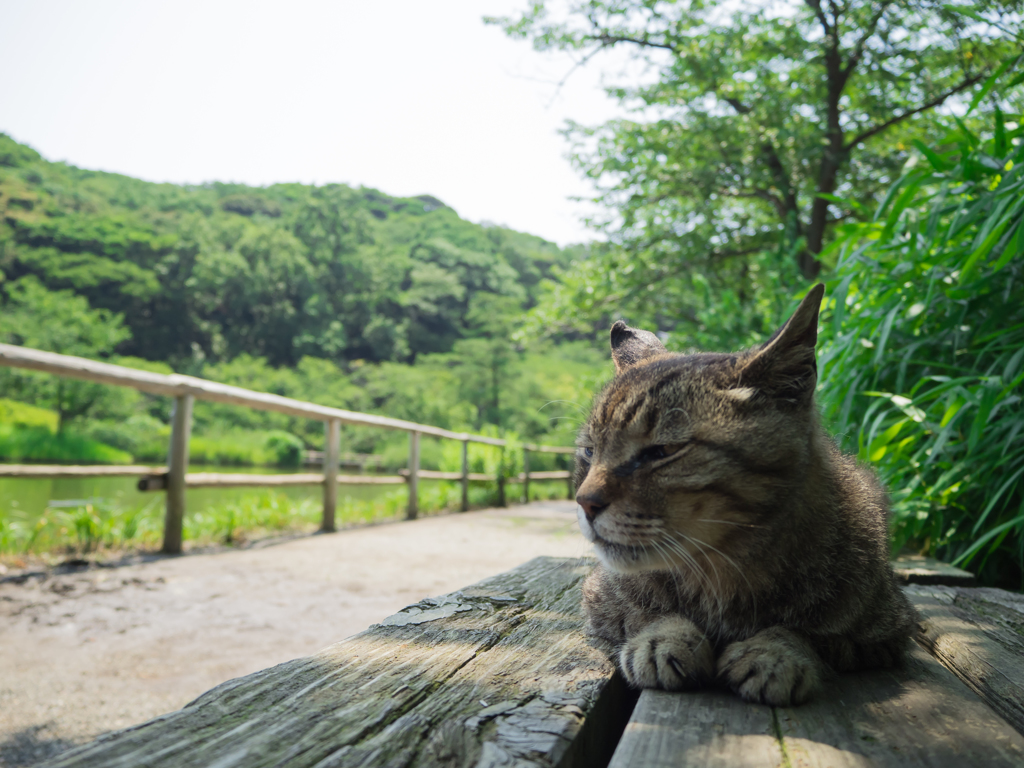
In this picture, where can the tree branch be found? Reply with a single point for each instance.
(815, 5)
(910, 113)
(608, 40)
(736, 104)
(858, 47)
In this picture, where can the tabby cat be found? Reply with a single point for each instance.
(736, 542)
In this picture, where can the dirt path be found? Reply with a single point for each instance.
(85, 653)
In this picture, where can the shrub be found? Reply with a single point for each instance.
(286, 448)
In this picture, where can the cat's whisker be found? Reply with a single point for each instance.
(711, 592)
(715, 593)
(727, 522)
(750, 587)
(575, 405)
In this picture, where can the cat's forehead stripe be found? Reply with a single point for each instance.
(626, 404)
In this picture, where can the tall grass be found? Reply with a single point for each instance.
(924, 358)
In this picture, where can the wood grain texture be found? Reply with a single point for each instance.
(498, 674)
(702, 728)
(918, 569)
(979, 635)
(920, 715)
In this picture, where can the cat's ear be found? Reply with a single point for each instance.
(785, 365)
(631, 345)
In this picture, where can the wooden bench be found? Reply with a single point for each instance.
(500, 674)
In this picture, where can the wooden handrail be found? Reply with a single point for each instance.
(176, 385)
(186, 389)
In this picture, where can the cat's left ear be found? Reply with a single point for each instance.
(631, 345)
(785, 365)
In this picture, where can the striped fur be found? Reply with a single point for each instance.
(735, 539)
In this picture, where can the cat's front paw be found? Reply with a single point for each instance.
(670, 653)
(775, 667)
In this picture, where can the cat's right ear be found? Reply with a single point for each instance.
(631, 345)
(785, 366)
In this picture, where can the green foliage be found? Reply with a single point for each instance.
(23, 415)
(34, 444)
(924, 363)
(56, 321)
(339, 296)
(748, 121)
(287, 448)
(205, 274)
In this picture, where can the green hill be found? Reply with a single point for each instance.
(278, 272)
(342, 296)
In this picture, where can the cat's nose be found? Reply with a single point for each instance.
(593, 504)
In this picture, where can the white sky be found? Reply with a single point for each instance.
(408, 96)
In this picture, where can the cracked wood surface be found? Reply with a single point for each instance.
(979, 635)
(920, 715)
(497, 674)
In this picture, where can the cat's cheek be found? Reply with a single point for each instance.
(585, 527)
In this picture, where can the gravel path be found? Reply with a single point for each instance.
(98, 650)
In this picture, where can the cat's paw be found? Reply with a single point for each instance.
(773, 667)
(670, 653)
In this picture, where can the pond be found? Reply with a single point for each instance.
(26, 498)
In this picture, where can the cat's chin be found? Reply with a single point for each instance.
(629, 559)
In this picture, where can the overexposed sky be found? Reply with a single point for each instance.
(407, 96)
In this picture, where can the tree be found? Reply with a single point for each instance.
(58, 321)
(760, 118)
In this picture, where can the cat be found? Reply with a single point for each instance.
(735, 542)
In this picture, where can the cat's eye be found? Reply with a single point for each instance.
(655, 452)
(586, 453)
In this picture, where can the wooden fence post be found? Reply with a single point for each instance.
(526, 475)
(501, 478)
(177, 466)
(414, 476)
(465, 475)
(332, 449)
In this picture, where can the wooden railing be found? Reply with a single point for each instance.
(185, 390)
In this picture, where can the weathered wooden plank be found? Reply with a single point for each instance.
(177, 466)
(332, 447)
(498, 674)
(56, 470)
(433, 474)
(555, 474)
(240, 480)
(979, 635)
(918, 569)
(919, 715)
(702, 728)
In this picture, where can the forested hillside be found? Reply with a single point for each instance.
(344, 296)
(214, 271)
